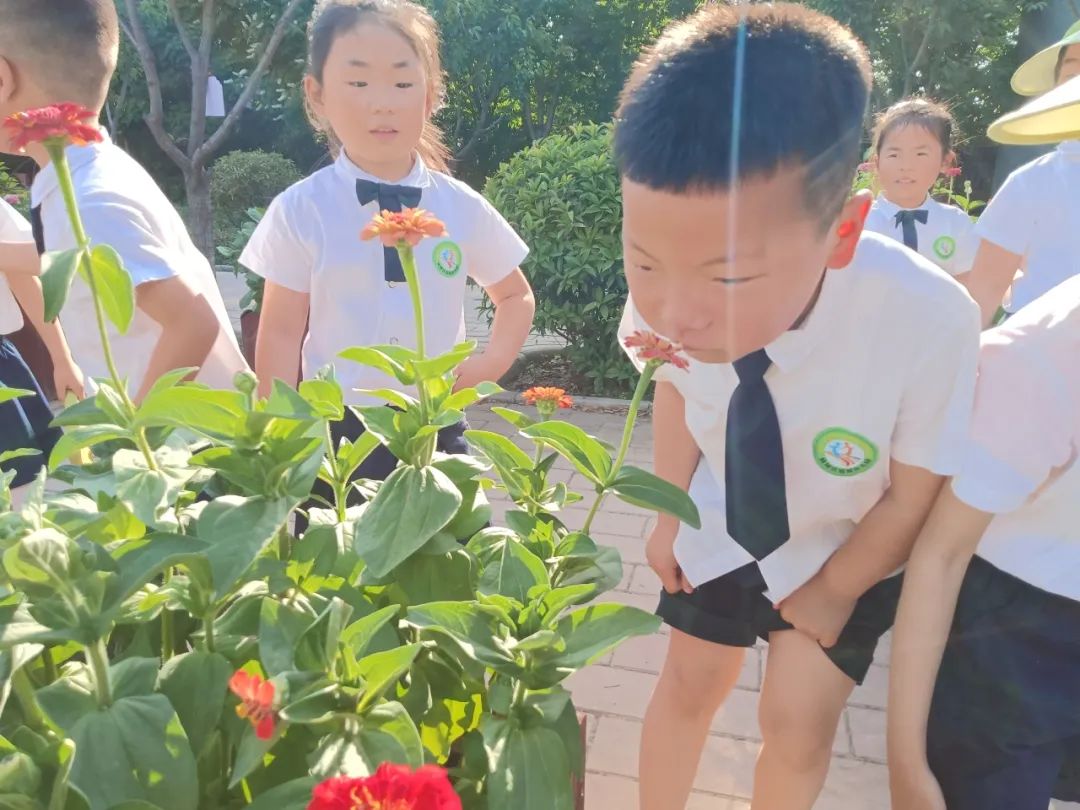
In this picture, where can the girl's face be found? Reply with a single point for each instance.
(908, 164)
(374, 96)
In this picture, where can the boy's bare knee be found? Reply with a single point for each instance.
(697, 675)
(801, 740)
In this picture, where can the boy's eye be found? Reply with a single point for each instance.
(358, 84)
(404, 85)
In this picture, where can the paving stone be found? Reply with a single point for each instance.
(868, 733)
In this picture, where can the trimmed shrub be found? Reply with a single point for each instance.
(240, 181)
(562, 196)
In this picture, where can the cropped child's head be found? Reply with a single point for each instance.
(63, 50)
(1068, 64)
(374, 80)
(913, 145)
(737, 137)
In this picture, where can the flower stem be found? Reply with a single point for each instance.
(98, 657)
(49, 665)
(340, 487)
(408, 264)
(624, 446)
(23, 690)
(67, 188)
(208, 629)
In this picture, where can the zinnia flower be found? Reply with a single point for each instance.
(64, 123)
(953, 171)
(548, 400)
(12, 199)
(866, 168)
(654, 349)
(256, 702)
(410, 226)
(392, 787)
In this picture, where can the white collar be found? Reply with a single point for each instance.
(889, 208)
(47, 182)
(418, 177)
(795, 345)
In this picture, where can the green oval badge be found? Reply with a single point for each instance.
(447, 258)
(945, 247)
(844, 453)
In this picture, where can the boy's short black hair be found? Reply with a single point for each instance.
(68, 47)
(734, 92)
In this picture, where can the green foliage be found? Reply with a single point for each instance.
(231, 251)
(135, 586)
(562, 196)
(240, 181)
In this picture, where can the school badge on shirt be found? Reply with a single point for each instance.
(844, 453)
(945, 247)
(447, 258)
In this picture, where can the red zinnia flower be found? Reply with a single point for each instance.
(653, 348)
(548, 399)
(256, 702)
(411, 226)
(392, 787)
(954, 171)
(65, 123)
(866, 168)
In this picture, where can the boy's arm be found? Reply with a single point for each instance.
(676, 456)
(19, 259)
(281, 332)
(514, 310)
(67, 377)
(991, 274)
(931, 586)
(189, 327)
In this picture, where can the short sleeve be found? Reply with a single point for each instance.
(967, 245)
(1021, 430)
(277, 251)
(935, 411)
(495, 250)
(114, 221)
(1008, 219)
(13, 225)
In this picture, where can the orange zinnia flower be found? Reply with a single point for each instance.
(65, 123)
(547, 400)
(410, 226)
(654, 349)
(256, 702)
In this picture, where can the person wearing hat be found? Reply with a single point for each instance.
(1033, 223)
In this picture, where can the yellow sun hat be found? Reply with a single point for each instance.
(1036, 75)
(1049, 118)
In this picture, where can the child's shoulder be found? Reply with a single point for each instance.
(456, 189)
(316, 186)
(954, 214)
(910, 286)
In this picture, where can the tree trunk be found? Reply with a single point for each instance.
(200, 211)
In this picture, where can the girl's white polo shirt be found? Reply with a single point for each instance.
(947, 238)
(13, 228)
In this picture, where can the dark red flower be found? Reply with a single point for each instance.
(954, 171)
(256, 702)
(65, 123)
(654, 349)
(392, 787)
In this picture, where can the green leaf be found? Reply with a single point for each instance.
(134, 750)
(147, 557)
(410, 507)
(11, 661)
(460, 400)
(444, 363)
(196, 685)
(317, 707)
(194, 407)
(8, 394)
(507, 567)
(508, 459)
(281, 626)
(385, 734)
(145, 492)
(358, 635)
(476, 630)
(474, 514)
(325, 397)
(294, 795)
(114, 287)
(57, 273)
(237, 530)
(529, 767)
(577, 446)
(68, 700)
(515, 418)
(80, 438)
(317, 648)
(591, 632)
(442, 577)
(18, 775)
(640, 488)
(393, 361)
(251, 753)
(133, 677)
(395, 398)
(353, 454)
(383, 670)
(11, 455)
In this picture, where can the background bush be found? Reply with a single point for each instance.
(562, 196)
(240, 181)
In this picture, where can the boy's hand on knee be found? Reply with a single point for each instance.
(915, 789)
(818, 611)
(660, 554)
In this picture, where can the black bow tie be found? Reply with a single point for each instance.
(907, 220)
(390, 198)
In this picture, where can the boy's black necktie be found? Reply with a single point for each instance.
(391, 198)
(757, 516)
(907, 219)
(38, 227)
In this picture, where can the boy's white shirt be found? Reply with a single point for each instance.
(122, 206)
(1036, 214)
(13, 228)
(1023, 461)
(883, 368)
(309, 242)
(947, 239)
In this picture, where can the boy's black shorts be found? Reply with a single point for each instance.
(24, 422)
(733, 610)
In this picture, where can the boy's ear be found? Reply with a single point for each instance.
(849, 228)
(7, 81)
